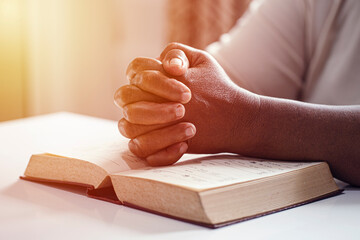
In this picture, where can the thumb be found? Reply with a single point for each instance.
(175, 62)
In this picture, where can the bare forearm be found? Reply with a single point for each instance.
(292, 130)
(219, 116)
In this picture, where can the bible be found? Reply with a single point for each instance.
(209, 190)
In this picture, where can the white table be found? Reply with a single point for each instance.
(37, 211)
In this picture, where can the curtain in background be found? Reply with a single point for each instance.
(12, 22)
(200, 22)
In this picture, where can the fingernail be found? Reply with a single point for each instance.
(132, 145)
(185, 97)
(179, 111)
(183, 148)
(189, 132)
(175, 62)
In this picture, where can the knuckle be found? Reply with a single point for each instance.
(145, 78)
(141, 147)
(136, 62)
(133, 67)
(139, 64)
(122, 128)
(126, 129)
(127, 111)
(133, 113)
(142, 77)
(175, 53)
(122, 95)
(173, 45)
(149, 75)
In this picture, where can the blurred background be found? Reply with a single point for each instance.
(71, 55)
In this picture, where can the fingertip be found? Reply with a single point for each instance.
(191, 128)
(121, 127)
(135, 148)
(179, 111)
(179, 148)
(175, 62)
(183, 148)
(119, 96)
(185, 97)
(168, 156)
(132, 146)
(175, 67)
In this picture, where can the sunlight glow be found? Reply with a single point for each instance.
(9, 10)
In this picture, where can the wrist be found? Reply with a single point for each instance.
(243, 131)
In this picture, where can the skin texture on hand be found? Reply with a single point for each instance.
(215, 98)
(209, 113)
(222, 117)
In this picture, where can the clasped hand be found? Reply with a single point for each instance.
(181, 102)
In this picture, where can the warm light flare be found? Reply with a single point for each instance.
(66, 55)
(9, 10)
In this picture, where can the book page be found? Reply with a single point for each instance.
(82, 137)
(112, 156)
(216, 171)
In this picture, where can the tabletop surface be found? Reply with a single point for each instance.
(31, 210)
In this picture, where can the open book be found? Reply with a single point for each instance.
(212, 190)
